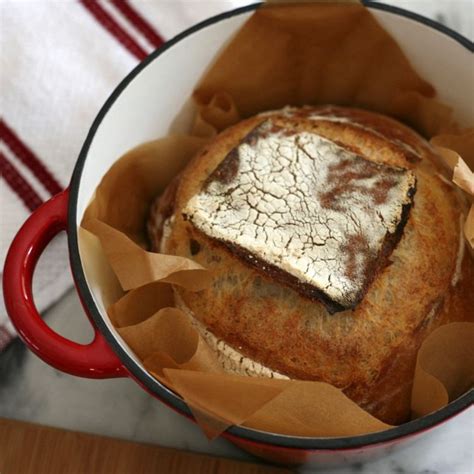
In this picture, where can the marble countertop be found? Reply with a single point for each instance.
(32, 391)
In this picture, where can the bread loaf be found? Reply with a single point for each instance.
(335, 245)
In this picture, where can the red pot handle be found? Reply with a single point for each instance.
(94, 360)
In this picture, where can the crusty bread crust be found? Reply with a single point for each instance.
(369, 352)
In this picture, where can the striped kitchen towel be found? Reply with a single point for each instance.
(60, 60)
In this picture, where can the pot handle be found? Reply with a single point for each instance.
(93, 360)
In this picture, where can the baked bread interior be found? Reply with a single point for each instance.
(335, 245)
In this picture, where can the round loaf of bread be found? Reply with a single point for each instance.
(335, 246)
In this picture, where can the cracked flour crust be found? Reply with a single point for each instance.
(308, 208)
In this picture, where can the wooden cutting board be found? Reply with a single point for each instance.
(28, 448)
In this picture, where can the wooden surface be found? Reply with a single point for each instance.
(27, 448)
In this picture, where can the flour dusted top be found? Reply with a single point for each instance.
(306, 212)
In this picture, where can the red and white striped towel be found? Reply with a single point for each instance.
(59, 62)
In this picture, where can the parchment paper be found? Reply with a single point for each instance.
(284, 54)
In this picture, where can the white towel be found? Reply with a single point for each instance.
(60, 60)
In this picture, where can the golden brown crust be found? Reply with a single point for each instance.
(368, 352)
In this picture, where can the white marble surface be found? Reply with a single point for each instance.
(30, 390)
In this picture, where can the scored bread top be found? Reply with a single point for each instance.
(305, 210)
(369, 351)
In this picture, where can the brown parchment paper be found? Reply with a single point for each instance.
(457, 151)
(141, 173)
(311, 53)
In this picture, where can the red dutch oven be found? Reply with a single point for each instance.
(142, 108)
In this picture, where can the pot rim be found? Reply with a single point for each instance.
(160, 390)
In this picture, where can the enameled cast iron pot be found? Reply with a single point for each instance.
(142, 108)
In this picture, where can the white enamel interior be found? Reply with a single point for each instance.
(147, 106)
